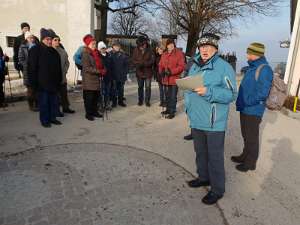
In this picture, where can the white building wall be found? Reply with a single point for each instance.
(70, 19)
(292, 75)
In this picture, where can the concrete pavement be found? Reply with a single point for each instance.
(268, 196)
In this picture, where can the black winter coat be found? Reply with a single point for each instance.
(17, 43)
(107, 62)
(120, 66)
(44, 68)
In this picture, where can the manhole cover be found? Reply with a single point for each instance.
(98, 184)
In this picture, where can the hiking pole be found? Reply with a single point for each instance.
(296, 97)
(11, 96)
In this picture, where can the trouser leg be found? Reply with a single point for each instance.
(141, 83)
(44, 107)
(88, 102)
(147, 90)
(172, 98)
(200, 147)
(53, 105)
(2, 95)
(63, 94)
(161, 93)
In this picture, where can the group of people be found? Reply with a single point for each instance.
(104, 72)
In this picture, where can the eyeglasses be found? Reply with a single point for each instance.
(55, 39)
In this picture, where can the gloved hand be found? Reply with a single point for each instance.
(167, 72)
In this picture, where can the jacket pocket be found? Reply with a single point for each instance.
(213, 115)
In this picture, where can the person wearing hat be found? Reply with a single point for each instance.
(171, 65)
(45, 76)
(17, 43)
(29, 42)
(143, 60)
(107, 80)
(92, 69)
(207, 108)
(252, 96)
(65, 64)
(119, 70)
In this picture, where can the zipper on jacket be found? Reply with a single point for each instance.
(213, 115)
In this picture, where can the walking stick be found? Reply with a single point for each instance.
(296, 97)
(102, 99)
(11, 96)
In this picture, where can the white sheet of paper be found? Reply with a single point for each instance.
(190, 83)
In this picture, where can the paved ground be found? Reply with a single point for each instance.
(268, 196)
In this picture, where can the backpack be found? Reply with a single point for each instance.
(277, 95)
(77, 58)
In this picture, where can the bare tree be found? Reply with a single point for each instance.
(129, 23)
(194, 17)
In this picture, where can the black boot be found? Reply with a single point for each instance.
(196, 183)
(244, 168)
(237, 159)
(188, 137)
(121, 103)
(211, 198)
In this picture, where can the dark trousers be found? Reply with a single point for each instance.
(32, 97)
(144, 82)
(162, 95)
(117, 91)
(63, 97)
(171, 98)
(90, 99)
(48, 106)
(2, 95)
(250, 132)
(106, 91)
(209, 148)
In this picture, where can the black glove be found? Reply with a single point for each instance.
(141, 66)
(167, 72)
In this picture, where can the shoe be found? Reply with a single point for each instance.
(114, 105)
(60, 114)
(90, 118)
(211, 198)
(71, 111)
(148, 104)
(140, 103)
(170, 116)
(123, 99)
(46, 125)
(122, 104)
(3, 105)
(188, 137)
(98, 115)
(237, 159)
(243, 168)
(196, 183)
(56, 122)
(166, 112)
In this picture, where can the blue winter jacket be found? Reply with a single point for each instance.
(77, 56)
(210, 112)
(253, 94)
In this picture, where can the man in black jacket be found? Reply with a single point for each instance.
(17, 43)
(45, 75)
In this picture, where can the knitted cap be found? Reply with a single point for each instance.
(209, 39)
(101, 45)
(257, 49)
(45, 33)
(88, 39)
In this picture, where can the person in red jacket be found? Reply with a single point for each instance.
(171, 65)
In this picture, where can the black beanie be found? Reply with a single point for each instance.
(53, 34)
(24, 25)
(45, 33)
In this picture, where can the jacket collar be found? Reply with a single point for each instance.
(257, 62)
(209, 65)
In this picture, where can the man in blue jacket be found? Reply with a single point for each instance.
(253, 93)
(207, 108)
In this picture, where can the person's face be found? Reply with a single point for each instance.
(207, 51)
(103, 50)
(47, 41)
(30, 39)
(252, 57)
(92, 45)
(170, 47)
(116, 48)
(55, 42)
(160, 51)
(25, 29)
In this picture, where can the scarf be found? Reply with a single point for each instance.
(97, 58)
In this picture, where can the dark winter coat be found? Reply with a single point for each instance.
(157, 75)
(90, 73)
(120, 66)
(107, 62)
(143, 61)
(23, 61)
(175, 63)
(17, 43)
(44, 68)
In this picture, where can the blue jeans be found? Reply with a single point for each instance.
(162, 95)
(209, 148)
(48, 106)
(147, 83)
(117, 91)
